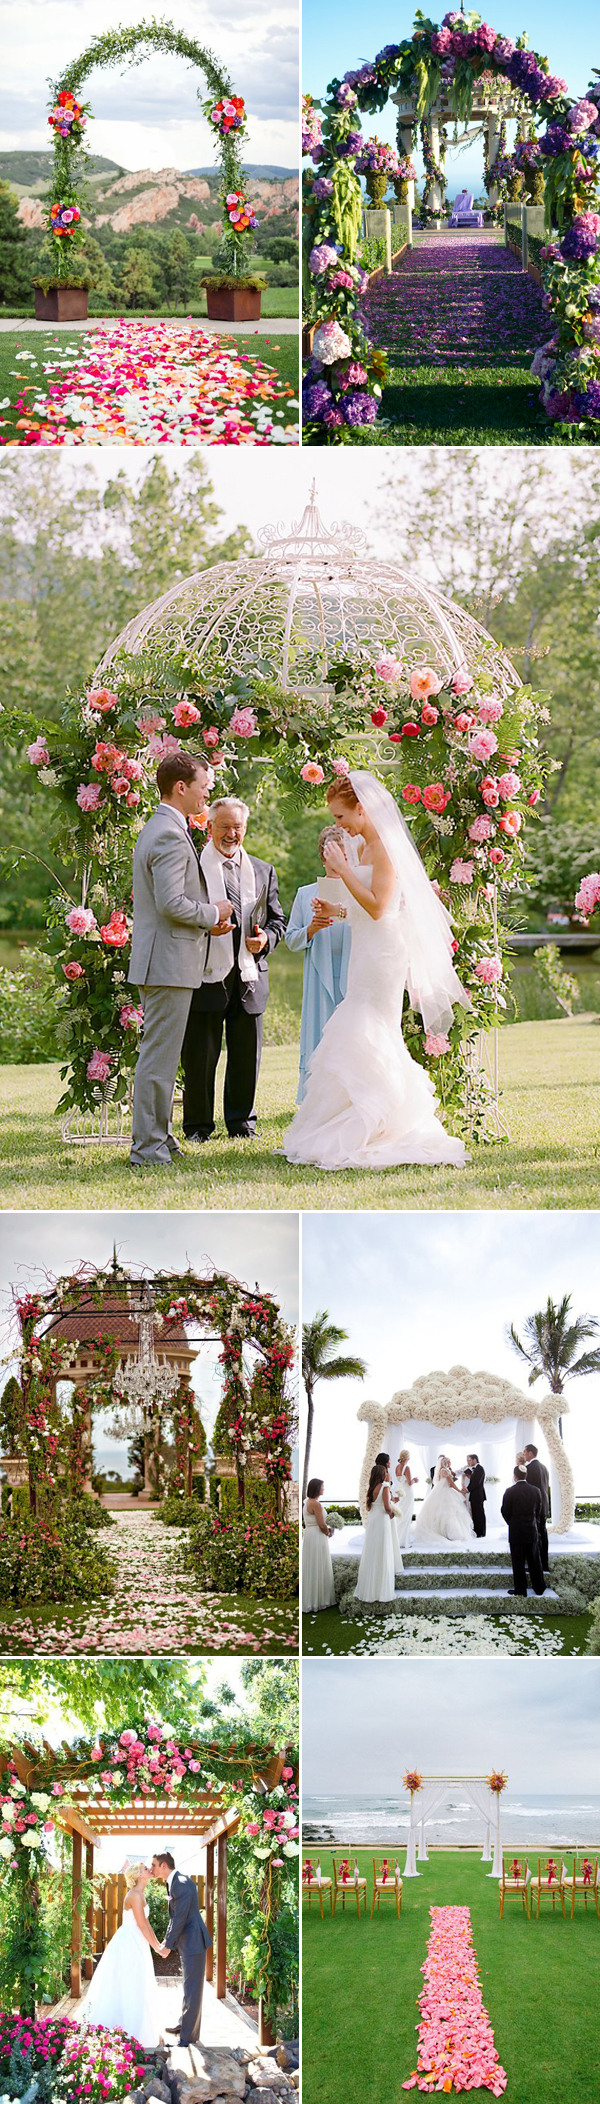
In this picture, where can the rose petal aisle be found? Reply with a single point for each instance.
(456, 2041)
(143, 383)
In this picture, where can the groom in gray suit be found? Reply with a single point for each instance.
(173, 920)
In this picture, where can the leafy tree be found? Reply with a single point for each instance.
(97, 1693)
(177, 267)
(321, 1361)
(15, 267)
(11, 1406)
(551, 1345)
(138, 281)
(271, 1688)
(98, 272)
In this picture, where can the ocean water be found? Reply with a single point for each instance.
(533, 1821)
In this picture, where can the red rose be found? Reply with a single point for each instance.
(379, 717)
(411, 730)
(395, 737)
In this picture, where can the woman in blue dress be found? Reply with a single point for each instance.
(325, 941)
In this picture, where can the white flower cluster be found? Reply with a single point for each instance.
(444, 1399)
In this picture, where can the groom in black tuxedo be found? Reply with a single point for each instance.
(522, 1510)
(475, 1481)
(188, 1934)
(236, 1002)
(537, 1474)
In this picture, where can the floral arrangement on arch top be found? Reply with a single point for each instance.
(467, 767)
(453, 57)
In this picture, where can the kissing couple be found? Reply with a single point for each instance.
(205, 920)
(123, 1994)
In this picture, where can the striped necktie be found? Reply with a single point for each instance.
(233, 886)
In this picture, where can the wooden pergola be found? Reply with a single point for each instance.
(92, 1816)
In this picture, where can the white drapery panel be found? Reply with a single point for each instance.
(496, 1445)
(426, 1802)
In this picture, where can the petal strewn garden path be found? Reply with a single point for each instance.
(143, 383)
(457, 301)
(156, 1607)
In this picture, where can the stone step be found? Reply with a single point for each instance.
(461, 1592)
(447, 1578)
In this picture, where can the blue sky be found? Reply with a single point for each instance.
(341, 36)
(420, 1291)
(364, 1721)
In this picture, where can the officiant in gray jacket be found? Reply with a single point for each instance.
(234, 989)
(173, 919)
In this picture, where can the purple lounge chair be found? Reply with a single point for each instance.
(462, 211)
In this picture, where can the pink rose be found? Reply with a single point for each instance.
(88, 796)
(509, 784)
(149, 724)
(481, 829)
(243, 723)
(211, 736)
(131, 1018)
(489, 970)
(184, 714)
(312, 773)
(510, 823)
(483, 745)
(436, 1044)
(38, 753)
(428, 714)
(99, 1066)
(102, 699)
(490, 791)
(435, 797)
(497, 857)
(388, 668)
(81, 921)
(424, 682)
(253, 1827)
(73, 971)
(132, 799)
(462, 681)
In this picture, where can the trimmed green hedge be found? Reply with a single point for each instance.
(237, 1556)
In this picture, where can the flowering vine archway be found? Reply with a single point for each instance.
(254, 1427)
(345, 376)
(68, 120)
(306, 661)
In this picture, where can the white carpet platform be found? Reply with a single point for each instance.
(583, 1539)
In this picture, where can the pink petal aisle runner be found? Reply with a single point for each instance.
(141, 383)
(456, 2041)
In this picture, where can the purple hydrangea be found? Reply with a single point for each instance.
(503, 50)
(390, 51)
(346, 96)
(581, 116)
(333, 417)
(554, 140)
(361, 76)
(316, 398)
(360, 409)
(346, 148)
(581, 239)
(321, 257)
(588, 404)
(322, 188)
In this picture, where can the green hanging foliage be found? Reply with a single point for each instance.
(346, 208)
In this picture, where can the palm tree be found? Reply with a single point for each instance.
(320, 1339)
(552, 1345)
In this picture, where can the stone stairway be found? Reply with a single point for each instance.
(456, 1577)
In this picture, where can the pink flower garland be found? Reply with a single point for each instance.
(456, 2041)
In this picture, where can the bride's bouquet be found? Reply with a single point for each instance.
(335, 1520)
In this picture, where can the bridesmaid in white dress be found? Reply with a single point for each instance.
(406, 1483)
(123, 1994)
(445, 1514)
(379, 1561)
(368, 1104)
(318, 1587)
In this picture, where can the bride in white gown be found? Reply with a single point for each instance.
(367, 1103)
(123, 1995)
(444, 1514)
(380, 1558)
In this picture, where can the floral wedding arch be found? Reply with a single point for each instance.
(345, 375)
(68, 119)
(428, 1792)
(297, 663)
(470, 1407)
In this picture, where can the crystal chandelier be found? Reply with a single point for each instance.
(144, 1383)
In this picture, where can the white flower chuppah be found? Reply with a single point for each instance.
(466, 1403)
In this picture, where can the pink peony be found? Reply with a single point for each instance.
(509, 784)
(115, 934)
(462, 681)
(424, 682)
(490, 709)
(131, 1018)
(99, 1066)
(411, 793)
(150, 723)
(88, 796)
(435, 797)
(38, 753)
(81, 921)
(481, 829)
(340, 766)
(243, 723)
(489, 970)
(253, 1827)
(461, 872)
(184, 714)
(436, 1044)
(483, 744)
(312, 773)
(510, 823)
(388, 668)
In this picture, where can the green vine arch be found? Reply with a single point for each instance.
(68, 118)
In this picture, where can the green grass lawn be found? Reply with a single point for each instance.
(549, 1074)
(482, 407)
(284, 355)
(361, 1981)
(329, 1634)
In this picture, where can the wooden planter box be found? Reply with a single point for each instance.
(232, 303)
(61, 303)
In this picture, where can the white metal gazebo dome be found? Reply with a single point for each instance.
(311, 588)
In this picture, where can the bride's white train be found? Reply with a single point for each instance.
(445, 1513)
(367, 1103)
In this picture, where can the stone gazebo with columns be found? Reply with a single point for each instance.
(494, 102)
(125, 1318)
